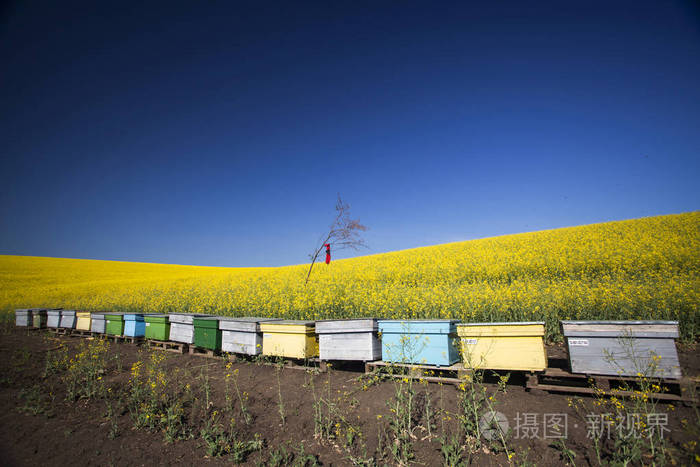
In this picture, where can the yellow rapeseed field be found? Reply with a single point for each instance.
(637, 269)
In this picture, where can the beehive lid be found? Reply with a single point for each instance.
(245, 324)
(335, 326)
(184, 318)
(114, 316)
(206, 322)
(133, 316)
(288, 326)
(22, 311)
(83, 314)
(53, 312)
(41, 311)
(520, 329)
(98, 315)
(656, 329)
(68, 313)
(418, 326)
(155, 318)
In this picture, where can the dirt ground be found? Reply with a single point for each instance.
(60, 432)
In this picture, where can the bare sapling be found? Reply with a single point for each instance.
(343, 233)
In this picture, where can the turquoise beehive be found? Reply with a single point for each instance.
(134, 325)
(423, 342)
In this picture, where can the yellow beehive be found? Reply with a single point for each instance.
(82, 320)
(503, 346)
(293, 339)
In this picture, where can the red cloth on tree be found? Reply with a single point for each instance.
(328, 252)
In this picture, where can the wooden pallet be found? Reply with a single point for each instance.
(125, 339)
(62, 331)
(454, 374)
(304, 363)
(81, 333)
(177, 347)
(202, 352)
(286, 362)
(559, 380)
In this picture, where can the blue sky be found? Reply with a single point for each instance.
(219, 133)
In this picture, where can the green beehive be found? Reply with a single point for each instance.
(114, 324)
(157, 327)
(39, 317)
(207, 333)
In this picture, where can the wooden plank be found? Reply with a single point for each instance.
(245, 324)
(427, 373)
(81, 333)
(504, 352)
(242, 342)
(344, 326)
(627, 357)
(612, 392)
(358, 346)
(663, 329)
(181, 332)
(293, 339)
(500, 330)
(176, 347)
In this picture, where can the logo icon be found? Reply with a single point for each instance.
(491, 423)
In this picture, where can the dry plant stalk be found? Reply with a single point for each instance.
(343, 233)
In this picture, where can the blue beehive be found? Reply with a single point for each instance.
(425, 342)
(134, 325)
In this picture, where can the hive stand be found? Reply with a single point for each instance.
(202, 352)
(176, 347)
(559, 380)
(126, 339)
(454, 374)
(81, 333)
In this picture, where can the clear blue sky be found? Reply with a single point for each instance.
(218, 133)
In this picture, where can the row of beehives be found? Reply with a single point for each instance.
(625, 348)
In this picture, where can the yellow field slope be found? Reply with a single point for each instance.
(638, 269)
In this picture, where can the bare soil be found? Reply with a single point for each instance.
(78, 433)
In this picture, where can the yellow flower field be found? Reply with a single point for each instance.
(637, 269)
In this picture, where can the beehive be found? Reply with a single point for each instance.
(67, 319)
(97, 323)
(207, 334)
(624, 348)
(114, 324)
(427, 342)
(134, 325)
(181, 327)
(348, 339)
(242, 335)
(83, 320)
(157, 327)
(503, 346)
(53, 318)
(39, 318)
(289, 338)
(22, 317)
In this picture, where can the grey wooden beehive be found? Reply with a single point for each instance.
(348, 339)
(22, 317)
(623, 348)
(97, 323)
(242, 335)
(181, 327)
(53, 318)
(67, 319)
